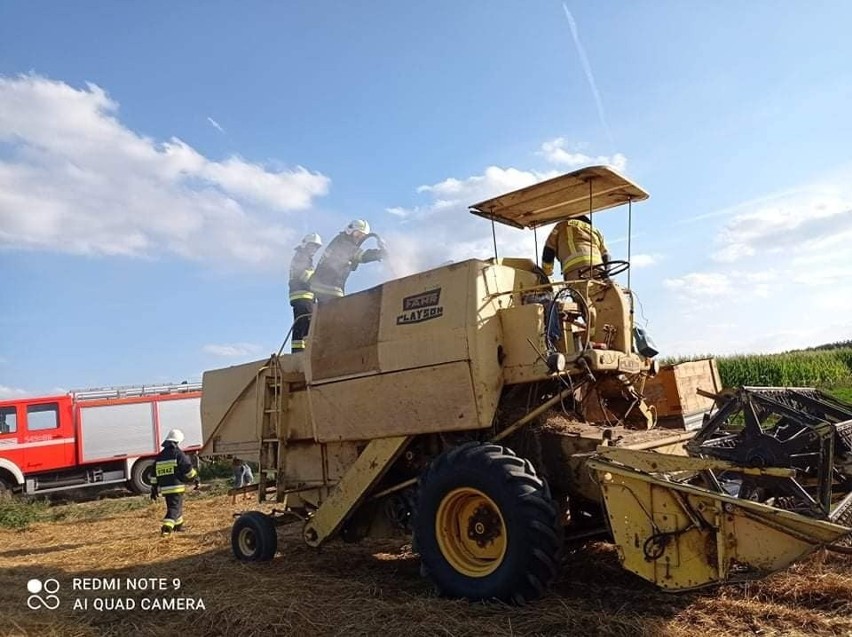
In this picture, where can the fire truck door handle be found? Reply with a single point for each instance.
(55, 436)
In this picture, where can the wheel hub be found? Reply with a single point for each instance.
(485, 526)
(247, 541)
(471, 532)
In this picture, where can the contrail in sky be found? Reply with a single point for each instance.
(588, 70)
(216, 125)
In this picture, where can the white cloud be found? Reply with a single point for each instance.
(556, 151)
(494, 181)
(645, 260)
(74, 179)
(231, 350)
(782, 272)
(701, 285)
(12, 392)
(442, 229)
(398, 211)
(791, 225)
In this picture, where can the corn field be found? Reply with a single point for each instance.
(820, 368)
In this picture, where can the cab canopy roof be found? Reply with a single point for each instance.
(563, 197)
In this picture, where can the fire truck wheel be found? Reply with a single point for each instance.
(254, 538)
(140, 476)
(5, 489)
(486, 526)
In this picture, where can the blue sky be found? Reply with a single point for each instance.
(158, 161)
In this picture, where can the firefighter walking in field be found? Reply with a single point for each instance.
(301, 296)
(577, 245)
(172, 471)
(342, 257)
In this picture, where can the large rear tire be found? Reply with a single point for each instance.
(486, 526)
(254, 537)
(140, 476)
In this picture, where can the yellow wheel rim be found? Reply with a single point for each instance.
(471, 532)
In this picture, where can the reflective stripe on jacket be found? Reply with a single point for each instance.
(172, 470)
(341, 257)
(576, 244)
(301, 270)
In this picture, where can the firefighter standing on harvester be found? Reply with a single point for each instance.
(342, 257)
(577, 245)
(301, 296)
(172, 471)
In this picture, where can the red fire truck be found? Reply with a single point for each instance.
(93, 437)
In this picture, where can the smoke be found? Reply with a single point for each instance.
(587, 69)
(405, 255)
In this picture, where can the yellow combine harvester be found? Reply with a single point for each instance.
(445, 405)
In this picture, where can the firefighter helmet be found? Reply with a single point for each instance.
(312, 238)
(358, 225)
(175, 436)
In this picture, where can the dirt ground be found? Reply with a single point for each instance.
(367, 589)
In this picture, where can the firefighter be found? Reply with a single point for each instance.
(301, 296)
(577, 245)
(172, 471)
(342, 257)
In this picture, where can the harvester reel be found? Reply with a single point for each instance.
(800, 429)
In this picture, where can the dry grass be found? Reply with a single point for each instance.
(375, 588)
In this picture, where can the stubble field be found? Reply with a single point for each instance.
(371, 588)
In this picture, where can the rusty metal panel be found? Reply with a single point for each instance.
(343, 339)
(673, 391)
(426, 400)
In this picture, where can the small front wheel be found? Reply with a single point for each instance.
(254, 538)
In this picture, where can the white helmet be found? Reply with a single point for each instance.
(312, 238)
(175, 436)
(358, 225)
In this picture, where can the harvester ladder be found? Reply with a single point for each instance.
(274, 427)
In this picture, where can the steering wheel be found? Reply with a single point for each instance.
(604, 270)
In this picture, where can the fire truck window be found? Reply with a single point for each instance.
(8, 420)
(43, 417)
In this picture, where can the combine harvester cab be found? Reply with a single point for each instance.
(445, 406)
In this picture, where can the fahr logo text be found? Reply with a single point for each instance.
(421, 307)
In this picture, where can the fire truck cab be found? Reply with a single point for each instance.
(93, 437)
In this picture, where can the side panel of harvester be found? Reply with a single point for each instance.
(416, 355)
